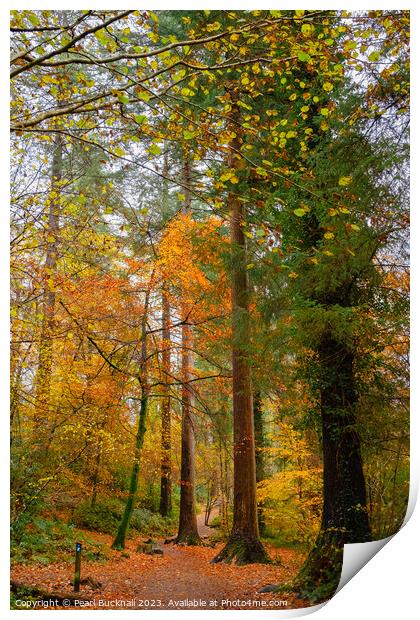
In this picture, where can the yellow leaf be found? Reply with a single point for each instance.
(344, 181)
(226, 176)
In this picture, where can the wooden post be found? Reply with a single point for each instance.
(77, 567)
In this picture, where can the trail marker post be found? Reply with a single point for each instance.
(77, 567)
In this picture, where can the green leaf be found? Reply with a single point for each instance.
(144, 96)
(33, 19)
(306, 30)
(374, 56)
(140, 118)
(101, 37)
(188, 135)
(123, 98)
(303, 56)
(299, 212)
(154, 149)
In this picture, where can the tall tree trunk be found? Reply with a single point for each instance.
(45, 355)
(119, 542)
(259, 454)
(223, 511)
(345, 516)
(165, 506)
(187, 529)
(243, 545)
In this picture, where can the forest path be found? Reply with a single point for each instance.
(181, 578)
(203, 529)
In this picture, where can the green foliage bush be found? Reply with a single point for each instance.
(105, 517)
(152, 524)
(45, 541)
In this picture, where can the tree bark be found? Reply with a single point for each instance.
(243, 545)
(119, 542)
(165, 506)
(345, 516)
(259, 454)
(187, 529)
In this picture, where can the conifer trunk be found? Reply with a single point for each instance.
(243, 545)
(187, 528)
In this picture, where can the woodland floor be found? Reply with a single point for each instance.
(168, 581)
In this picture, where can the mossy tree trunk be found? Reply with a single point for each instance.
(120, 538)
(119, 542)
(345, 516)
(259, 454)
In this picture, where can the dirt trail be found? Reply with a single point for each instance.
(203, 529)
(182, 578)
